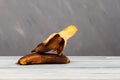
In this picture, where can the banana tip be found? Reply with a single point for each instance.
(73, 27)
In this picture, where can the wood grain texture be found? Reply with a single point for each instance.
(80, 68)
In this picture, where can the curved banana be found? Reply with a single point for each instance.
(56, 41)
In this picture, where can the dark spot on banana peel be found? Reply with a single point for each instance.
(41, 48)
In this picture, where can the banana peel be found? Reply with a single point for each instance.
(55, 42)
(43, 58)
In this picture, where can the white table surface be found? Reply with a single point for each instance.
(80, 68)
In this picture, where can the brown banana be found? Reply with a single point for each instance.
(43, 58)
(56, 41)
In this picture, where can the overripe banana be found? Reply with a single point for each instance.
(56, 41)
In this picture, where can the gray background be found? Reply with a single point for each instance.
(26, 23)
